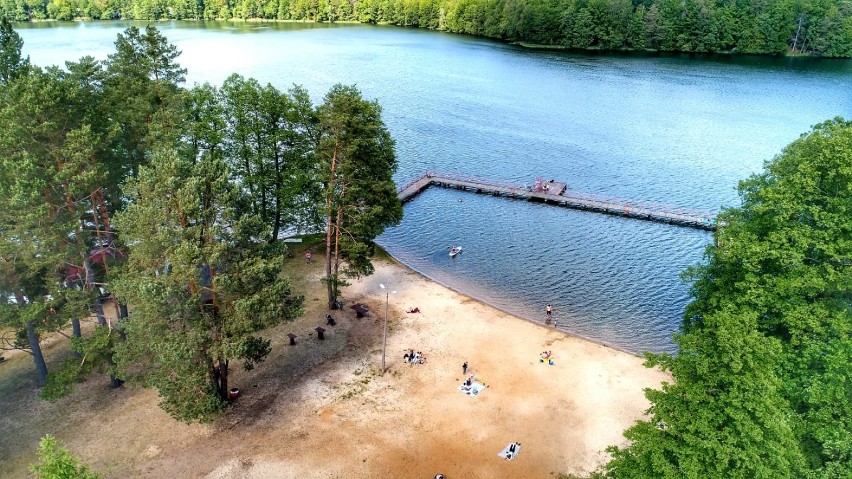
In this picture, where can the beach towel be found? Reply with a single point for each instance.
(473, 389)
(505, 454)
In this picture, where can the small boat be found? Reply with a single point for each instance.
(454, 251)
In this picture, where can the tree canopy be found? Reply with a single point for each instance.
(743, 26)
(12, 63)
(201, 281)
(116, 179)
(358, 160)
(763, 384)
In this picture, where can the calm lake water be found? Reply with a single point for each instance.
(671, 129)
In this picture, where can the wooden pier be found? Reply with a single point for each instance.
(556, 193)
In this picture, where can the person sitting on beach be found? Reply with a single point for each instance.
(469, 381)
(405, 357)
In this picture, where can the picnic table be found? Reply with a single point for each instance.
(360, 310)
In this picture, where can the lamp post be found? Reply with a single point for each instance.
(385, 334)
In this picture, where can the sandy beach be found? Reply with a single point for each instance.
(322, 409)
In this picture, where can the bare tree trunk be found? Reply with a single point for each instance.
(332, 293)
(277, 226)
(337, 248)
(219, 377)
(75, 332)
(99, 311)
(223, 379)
(798, 29)
(38, 357)
(75, 328)
(32, 338)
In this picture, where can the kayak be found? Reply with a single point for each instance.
(455, 251)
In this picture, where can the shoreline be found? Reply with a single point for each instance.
(508, 313)
(411, 421)
(519, 43)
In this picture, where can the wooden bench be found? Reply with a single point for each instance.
(360, 310)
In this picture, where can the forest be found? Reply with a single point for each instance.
(120, 185)
(776, 27)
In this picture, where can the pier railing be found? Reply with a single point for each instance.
(646, 210)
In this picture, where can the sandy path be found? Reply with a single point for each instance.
(342, 419)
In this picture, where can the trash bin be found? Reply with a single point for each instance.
(234, 393)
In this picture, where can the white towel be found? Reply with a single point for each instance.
(473, 389)
(509, 455)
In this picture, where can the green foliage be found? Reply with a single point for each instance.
(737, 425)
(210, 178)
(358, 160)
(12, 64)
(267, 138)
(55, 462)
(142, 95)
(201, 281)
(746, 26)
(763, 385)
(94, 353)
(48, 174)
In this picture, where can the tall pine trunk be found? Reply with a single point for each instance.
(337, 247)
(38, 357)
(219, 378)
(99, 311)
(332, 290)
(32, 338)
(75, 328)
(276, 227)
(76, 332)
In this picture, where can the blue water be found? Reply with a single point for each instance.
(670, 129)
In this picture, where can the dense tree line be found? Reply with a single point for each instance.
(763, 380)
(117, 181)
(820, 27)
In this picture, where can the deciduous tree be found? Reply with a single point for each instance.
(762, 381)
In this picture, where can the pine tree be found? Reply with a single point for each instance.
(201, 281)
(357, 163)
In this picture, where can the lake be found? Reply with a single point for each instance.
(673, 129)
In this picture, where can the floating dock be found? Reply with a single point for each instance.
(557, 193)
